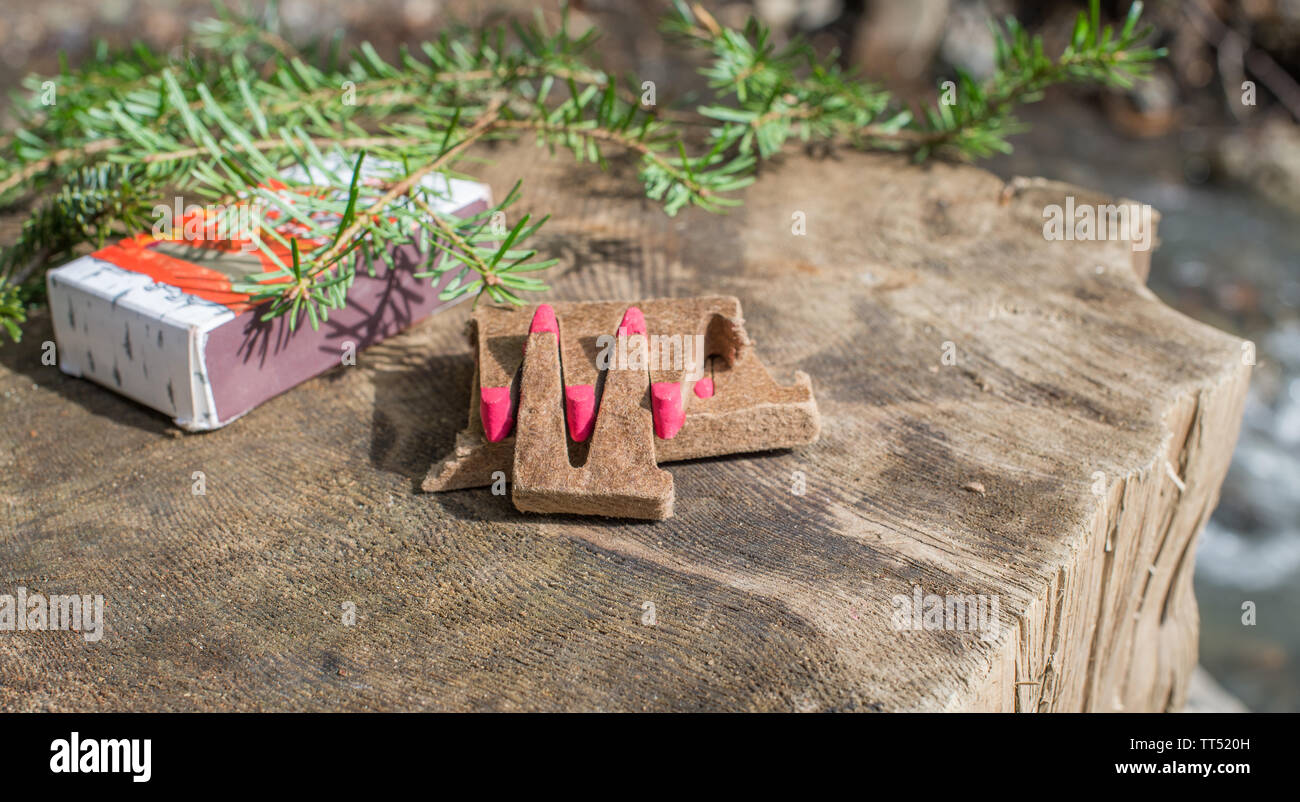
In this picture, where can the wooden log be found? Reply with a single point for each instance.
(1003, 416)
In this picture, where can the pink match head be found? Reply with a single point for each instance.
(633, 321)
(667, 407)
(580, 406)
(544, 320)
(704, 388)
(494, 410)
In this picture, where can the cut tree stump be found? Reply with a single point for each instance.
(1002, 415)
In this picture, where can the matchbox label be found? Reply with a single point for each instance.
(206, 250)
(205, 269)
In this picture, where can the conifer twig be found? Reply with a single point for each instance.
(231, 114)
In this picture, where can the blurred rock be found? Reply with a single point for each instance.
(1267, 159)
(803, 15)
(1205, 695)
(896, 39)
(1149, 109)
(967, 40)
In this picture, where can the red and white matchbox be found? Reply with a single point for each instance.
(155, 319)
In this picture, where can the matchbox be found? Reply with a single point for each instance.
(156, 319)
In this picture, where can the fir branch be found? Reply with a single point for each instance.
(979, 123)
(96, 203)
(241, 104)
(344, 239)
(767, 95)
(464, 249)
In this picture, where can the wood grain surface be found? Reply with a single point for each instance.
(1064, 464)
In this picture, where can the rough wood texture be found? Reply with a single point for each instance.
(1070, 375)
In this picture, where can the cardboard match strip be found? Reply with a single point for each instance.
(529, 386)
(619, 478)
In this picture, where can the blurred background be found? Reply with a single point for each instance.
(1225, 175)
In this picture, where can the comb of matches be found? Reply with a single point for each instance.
(581, 402)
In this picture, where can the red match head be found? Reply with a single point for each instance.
(666, 404)
(633, 322)
(496, 413)
(544, 320)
